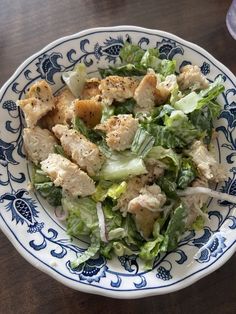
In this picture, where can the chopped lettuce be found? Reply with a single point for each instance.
(131, 54)
(150, 59)
(166, 137)
(179, 123)
(58, 149)
(86, 255)
(46, 188)
(76, 79)
(194, 100)
(82, 216)
(187, 173)
(125, 107)
(116, 190)
(168, 186)
(120, 166)
(107, 112)
(91, 134)
(198, 223)
(142, 142)
(124, 70)
(167, 156)
(176, 226)
(166, 67)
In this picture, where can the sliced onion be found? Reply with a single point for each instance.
(60, 213)
(101, 222)
(209, 192)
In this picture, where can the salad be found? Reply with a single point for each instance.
(126, 158)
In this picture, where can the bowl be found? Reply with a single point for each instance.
(29, 222)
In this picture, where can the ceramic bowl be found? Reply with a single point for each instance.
(29, 222)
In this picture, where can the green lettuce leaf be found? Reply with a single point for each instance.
(194, 100)
(167, 156)
(142, 142)
(124, 70)
(58, 149)
(179, 123)
(165, 137)
(86, 255)
(107, 112)
(166, 67)
(187, 173)
(82, 216)
(176, 226)
(131, 54)
(91, 134)
(126, 107)
(46, 187)
(120, 166)
(150, 59)
(198, 223)
(76, 79)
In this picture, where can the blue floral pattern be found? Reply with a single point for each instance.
(25, 213)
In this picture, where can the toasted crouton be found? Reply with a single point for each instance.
(89, 110)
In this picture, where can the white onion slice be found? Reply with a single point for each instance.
(60, 213)
(101, 222)
(209, 192)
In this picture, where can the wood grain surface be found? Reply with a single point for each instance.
(27, 26)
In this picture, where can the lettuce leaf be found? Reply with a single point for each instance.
(124, 70)
(125, 107)
(46, 187)
(176, 226)
(179, 123)
(167, 156)
(194, 100)
(166, 67)
(165, 137)
(131, 54)
(91, 134)
(76, 79)
(120, 166)
(187, 173)
(142, 142)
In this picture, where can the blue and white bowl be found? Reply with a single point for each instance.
(29, 222)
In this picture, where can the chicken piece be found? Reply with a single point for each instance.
(145, 94)
(89, 110)
(37, 103)
(150, 198)
(38, 143)
(195, 202)
(117, 88)
(63, 111)
(134, 185)
(66, 174)
(164, 89)
(206, 163)
(192, 78)
(120, 131)
(91, 89)
(83, 152)
(146, 208)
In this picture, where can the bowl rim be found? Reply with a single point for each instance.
(96, 290)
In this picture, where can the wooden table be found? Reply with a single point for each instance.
(28, 25)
